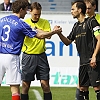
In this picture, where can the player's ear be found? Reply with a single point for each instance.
(94, 6)
(21, 10)
(80, 10)
(30, 11)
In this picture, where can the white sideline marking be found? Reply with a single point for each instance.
(37, 94)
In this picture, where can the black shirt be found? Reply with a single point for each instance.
(85, 39)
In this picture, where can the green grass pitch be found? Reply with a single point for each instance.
(58, 93)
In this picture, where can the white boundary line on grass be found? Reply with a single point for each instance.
(37, 94)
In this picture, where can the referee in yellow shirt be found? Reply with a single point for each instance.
(34, 59)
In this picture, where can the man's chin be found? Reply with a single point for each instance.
(22, 17)
(36, 19)
(87, 14)
(74, 17)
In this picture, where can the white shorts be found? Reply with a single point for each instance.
(10, 64)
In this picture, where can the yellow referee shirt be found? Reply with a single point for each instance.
(35, 45)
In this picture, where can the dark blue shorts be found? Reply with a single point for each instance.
(35, 64)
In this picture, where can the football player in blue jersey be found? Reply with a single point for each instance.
(12, 33)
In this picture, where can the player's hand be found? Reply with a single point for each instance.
(93, 62)
(57, 29)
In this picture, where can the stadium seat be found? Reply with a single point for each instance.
(55, 5)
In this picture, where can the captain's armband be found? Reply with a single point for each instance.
(97, 32)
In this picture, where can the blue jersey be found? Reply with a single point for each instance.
(12, 33)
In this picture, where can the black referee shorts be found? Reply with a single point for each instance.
(89, 76)
(35, 64)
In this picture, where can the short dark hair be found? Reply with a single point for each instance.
(18, 4)
(80, 5)
(36, 5)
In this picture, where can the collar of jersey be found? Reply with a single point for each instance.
(33, 21)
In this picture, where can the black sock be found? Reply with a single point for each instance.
(48, 96)
(98, 94)
(84, 95)
(77, 94)
(24, 97)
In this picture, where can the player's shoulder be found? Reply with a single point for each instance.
(75, 25)
(5, 16)
(91, 19)
(8, 17)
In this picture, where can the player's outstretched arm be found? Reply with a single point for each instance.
(64, 39)
(42, 34)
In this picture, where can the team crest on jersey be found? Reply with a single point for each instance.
(84, 26)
